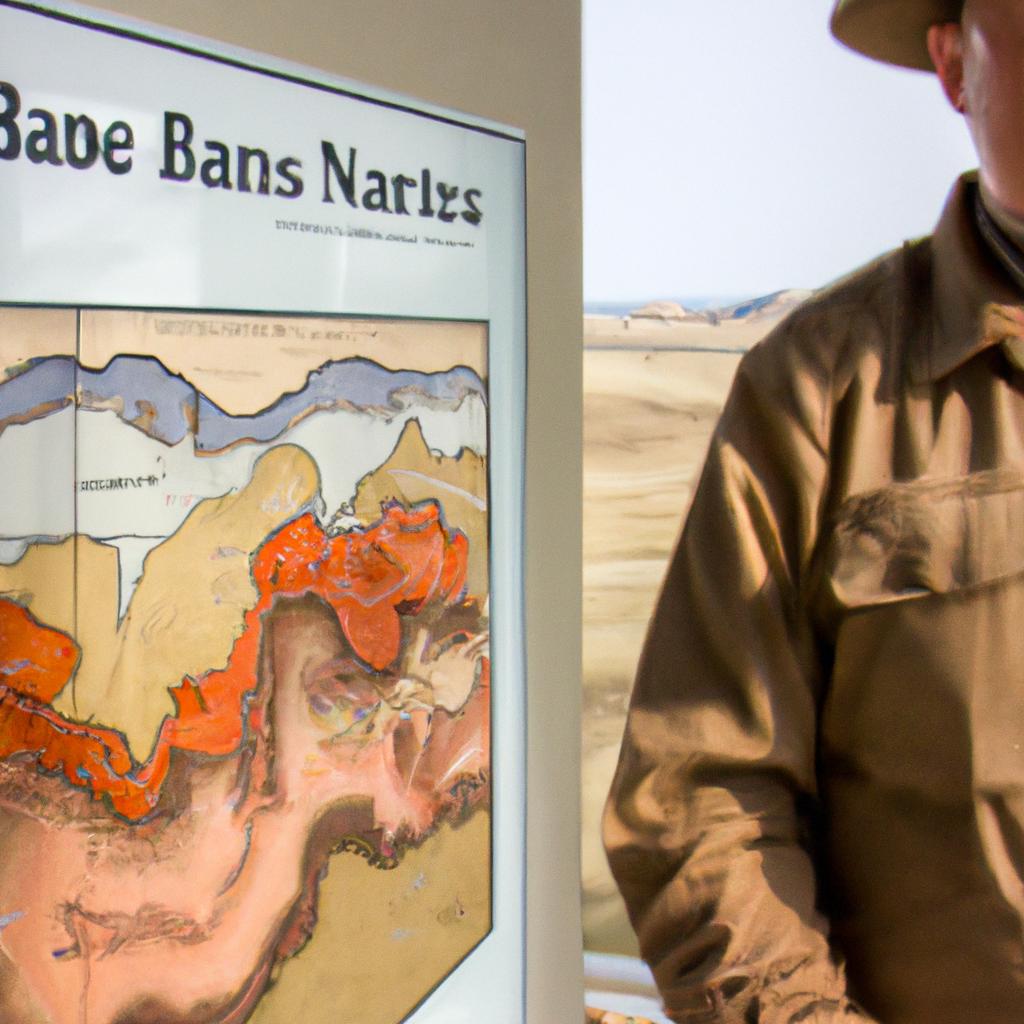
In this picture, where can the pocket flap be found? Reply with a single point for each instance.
(927, 537)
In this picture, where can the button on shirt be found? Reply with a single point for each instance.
(818, 813)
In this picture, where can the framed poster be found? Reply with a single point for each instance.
(262, 386)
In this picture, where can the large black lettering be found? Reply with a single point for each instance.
(41, 144)
(245, 155)
(11, 148)
(426, 207)
(345, 177)
(447, 194)
(376, 197)
(81, 129)
(178, 132)
(216, 171)
(400, 183)
(118, 138)
(472, 214)
(286, 168)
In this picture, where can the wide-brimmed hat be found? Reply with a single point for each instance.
(893, 31)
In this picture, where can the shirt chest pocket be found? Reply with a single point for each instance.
(926, 582)
(926, 537)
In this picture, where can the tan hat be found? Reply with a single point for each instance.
(893, 31)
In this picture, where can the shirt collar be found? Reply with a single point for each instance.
(976, 300)
(1001, 243)
(1010, 223)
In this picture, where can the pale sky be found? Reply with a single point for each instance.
(732, 148)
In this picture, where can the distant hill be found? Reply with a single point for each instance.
(623, 307)
(704, 311)
(670, 324)
(671, 312)
(765, 307)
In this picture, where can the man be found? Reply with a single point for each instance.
(818, 813)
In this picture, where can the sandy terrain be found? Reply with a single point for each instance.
(652, 395)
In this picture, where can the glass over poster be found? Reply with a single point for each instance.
(261, 436)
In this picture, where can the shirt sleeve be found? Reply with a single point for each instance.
(707, 824)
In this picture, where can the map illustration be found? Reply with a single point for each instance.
(244, 665)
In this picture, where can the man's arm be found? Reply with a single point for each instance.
(706, 819)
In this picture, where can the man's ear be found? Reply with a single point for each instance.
(945, 45)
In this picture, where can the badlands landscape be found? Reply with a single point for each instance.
(654, 384)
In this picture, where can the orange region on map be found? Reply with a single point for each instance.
(403, 561)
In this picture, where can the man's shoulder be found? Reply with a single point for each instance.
(868, 314)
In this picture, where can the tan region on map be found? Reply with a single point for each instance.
(413, 474)
(385, 937)
(42, 580)
(186, 612)
(245, 362)
(33, 333)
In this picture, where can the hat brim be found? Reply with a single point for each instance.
(893, 31)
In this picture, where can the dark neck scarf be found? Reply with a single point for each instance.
(1003, 247)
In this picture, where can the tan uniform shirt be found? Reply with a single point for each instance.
(824, 760)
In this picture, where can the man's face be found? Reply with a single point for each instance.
(981, 64)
